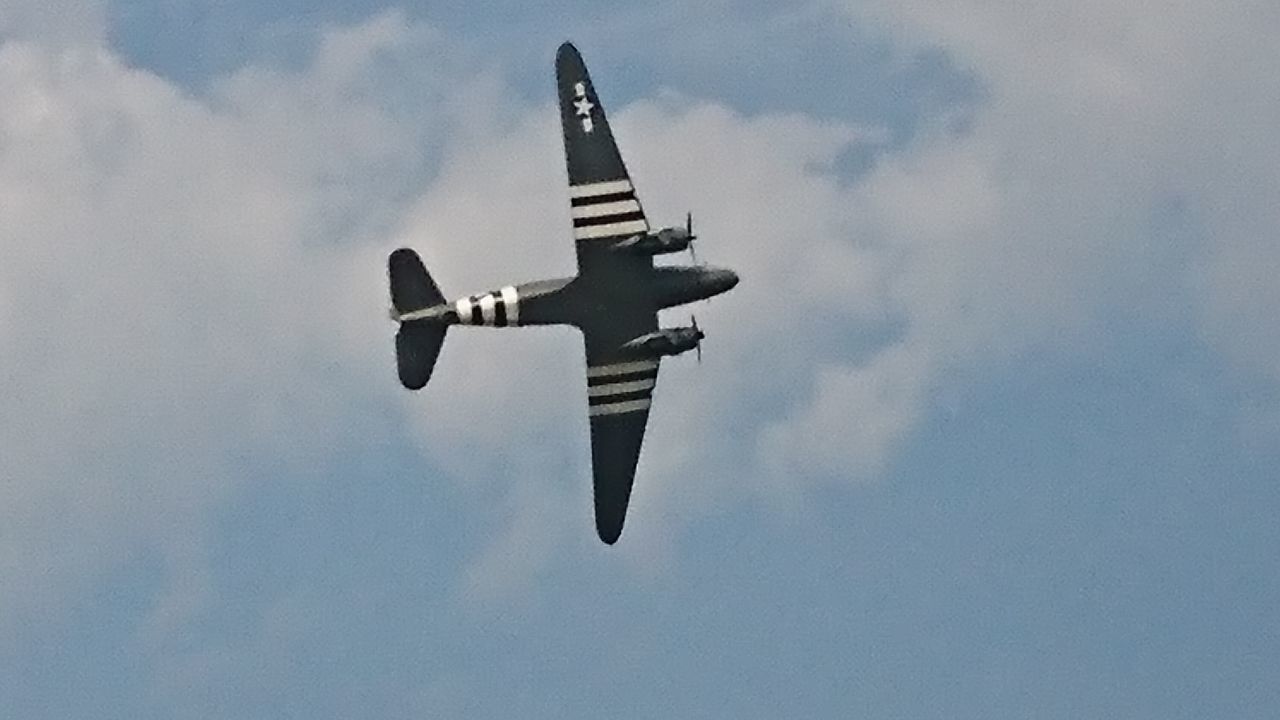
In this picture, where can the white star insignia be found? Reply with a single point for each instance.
(583, 106)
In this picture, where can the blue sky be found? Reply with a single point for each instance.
(988, 430)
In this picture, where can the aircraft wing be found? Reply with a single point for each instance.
(619, 389)
(603, 202)
(605, 210)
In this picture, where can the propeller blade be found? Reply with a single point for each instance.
(698, 336)
(688, 231)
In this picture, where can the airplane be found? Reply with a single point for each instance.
(614, 299)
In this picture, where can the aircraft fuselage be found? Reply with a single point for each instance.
(571, 301)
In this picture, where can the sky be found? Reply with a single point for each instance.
(989, 429)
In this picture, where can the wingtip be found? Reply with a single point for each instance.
(567, 51)
(403, 254)
(609, 535)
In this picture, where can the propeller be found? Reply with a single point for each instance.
(699, 335)
(688, 231)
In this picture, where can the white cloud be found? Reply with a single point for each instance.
(187, 272)
(184, 275)
(1098, 112)
(168, 313)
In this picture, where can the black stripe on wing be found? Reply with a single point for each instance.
(601, 199)
(627, 377)
(608, 219)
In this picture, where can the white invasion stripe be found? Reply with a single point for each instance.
(464, 311)
(488, 309)
(601, 188)
(620, 388)
(625, 368)
(512, 302)
(609, 208)
(630, 227)
(621, 407)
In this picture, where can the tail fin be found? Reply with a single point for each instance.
(418, 341)
(411, 285)
(417, 347)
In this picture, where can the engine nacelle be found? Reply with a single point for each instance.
(658, 242)
(668, 341)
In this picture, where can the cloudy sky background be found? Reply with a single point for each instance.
(989, 429)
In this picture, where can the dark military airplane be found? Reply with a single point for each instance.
(614, 299)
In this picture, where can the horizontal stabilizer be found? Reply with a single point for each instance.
(411, 285)
(417, 347)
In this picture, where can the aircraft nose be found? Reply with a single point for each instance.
(727, 279)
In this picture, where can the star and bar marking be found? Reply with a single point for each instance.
(583, 106)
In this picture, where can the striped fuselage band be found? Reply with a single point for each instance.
(500, 308)
(606, 210)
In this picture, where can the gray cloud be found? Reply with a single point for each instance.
(61, 23)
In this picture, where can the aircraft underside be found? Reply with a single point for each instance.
(614, 299)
